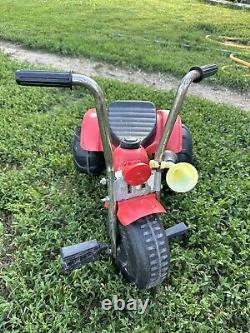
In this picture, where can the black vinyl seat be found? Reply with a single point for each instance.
(132, 123)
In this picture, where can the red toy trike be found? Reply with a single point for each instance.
(120, 139)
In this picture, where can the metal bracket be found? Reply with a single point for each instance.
(176, 231)
(124, 192)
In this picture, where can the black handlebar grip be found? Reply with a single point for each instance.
(205, 71)
(44, 78)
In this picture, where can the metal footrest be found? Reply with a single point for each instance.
(78, 255)
(176, 231)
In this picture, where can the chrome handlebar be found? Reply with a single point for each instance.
(175, 110)
(102, 116)
(67, 80)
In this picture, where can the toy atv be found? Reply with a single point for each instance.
(120, 139)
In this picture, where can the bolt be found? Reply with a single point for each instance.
(103, 181)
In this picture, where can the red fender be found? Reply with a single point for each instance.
(175, 140)
(90, 133)
(133, 209)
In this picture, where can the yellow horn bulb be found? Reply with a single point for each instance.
(182, 177)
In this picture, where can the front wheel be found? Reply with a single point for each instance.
(91, 162)
(143, 252)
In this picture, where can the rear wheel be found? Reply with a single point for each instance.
(187, 146)
(91, 162)
(143, 252)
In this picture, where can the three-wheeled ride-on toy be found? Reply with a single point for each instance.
(121, 139)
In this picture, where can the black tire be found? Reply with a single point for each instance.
(143, 252)
(91, 162)
(187, 146)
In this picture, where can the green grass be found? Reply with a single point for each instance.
(155, 35)
(45, 204)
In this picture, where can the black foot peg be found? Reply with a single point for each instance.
(78, 255)
(176, 231)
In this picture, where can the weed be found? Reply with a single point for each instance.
(51, 206)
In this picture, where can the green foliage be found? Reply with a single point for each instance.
(45, 204)
(156, 35)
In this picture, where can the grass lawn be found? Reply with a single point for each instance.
(152, 34)
(45, 204)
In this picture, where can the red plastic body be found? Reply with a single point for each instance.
(91, 139)
(133, 163)
(123, 157)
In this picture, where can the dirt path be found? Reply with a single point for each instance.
(230, 4)
(93, 68)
